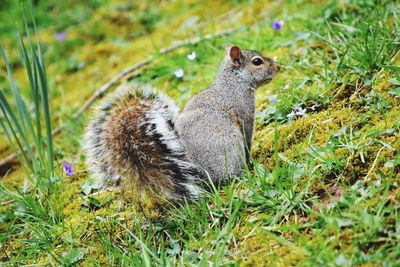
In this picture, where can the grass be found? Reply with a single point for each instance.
(324, 188)
(19, 128)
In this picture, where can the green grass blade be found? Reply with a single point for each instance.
(35, 136)
(40, 71)
(40, 54)
(17, 97)
(25, 118)
(12, 120)
(46, 109)
(36, 97)
(23, 159)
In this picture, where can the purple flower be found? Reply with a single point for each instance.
(277, 25)
(272, 99)
(60, 36)
(68, 168)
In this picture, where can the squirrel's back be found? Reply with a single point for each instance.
(133, 139)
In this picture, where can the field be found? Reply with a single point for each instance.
(323, 189)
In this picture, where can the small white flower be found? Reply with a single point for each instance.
(301, 112)
(290, 115)
(179, 73)
(286, 86)
(191, 56)
(275, 58)
(25, 189)
(342, 261)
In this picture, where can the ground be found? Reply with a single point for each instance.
(324, 185)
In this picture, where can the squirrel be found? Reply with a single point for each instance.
(140, 136)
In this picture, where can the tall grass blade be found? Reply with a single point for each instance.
(21, 126)
(16, 130)
(24, 159)
(40, 70)
(24, 131)
(32, 75)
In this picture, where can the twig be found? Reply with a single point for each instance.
(125, 72)
(13, 156)
(374, 163)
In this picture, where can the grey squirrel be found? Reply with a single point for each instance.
(139, 135)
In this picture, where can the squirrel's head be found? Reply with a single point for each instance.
(251, 66)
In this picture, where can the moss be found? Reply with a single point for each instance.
(259, 249)
(88, 226)
(314, 129)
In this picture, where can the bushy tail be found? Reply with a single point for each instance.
(133, 139)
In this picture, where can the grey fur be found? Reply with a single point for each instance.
(212, 136)
(205, 128)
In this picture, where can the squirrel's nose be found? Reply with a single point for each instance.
(278, 67)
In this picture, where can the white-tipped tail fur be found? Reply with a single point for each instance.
(133, 137)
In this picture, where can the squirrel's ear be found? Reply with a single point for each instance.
(235, 54)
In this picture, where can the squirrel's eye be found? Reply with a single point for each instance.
(257, 61)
